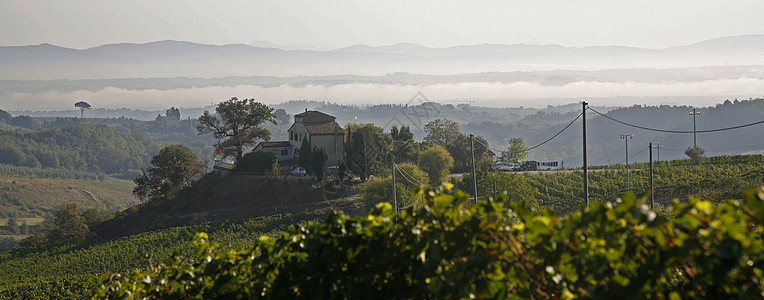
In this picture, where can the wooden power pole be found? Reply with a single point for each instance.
(586, 170)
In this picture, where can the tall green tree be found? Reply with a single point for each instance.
(82, 105)
(69, 223)
(408, 151)
(236, 124)
(442, 132)
(446, 133)
(516, 151)
(436, 161)
(172, 169)
(460, 150)
(318, 161)
(367, 149)
(306, 156)
(404, 134)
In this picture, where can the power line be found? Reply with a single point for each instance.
(404, 174)
(410, 205)
(542, 143)
(556, 134)
(632, 156)
(404, 177)
(676, 131)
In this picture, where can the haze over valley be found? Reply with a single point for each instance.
(171, 73)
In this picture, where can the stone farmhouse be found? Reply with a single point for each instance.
(319, 129)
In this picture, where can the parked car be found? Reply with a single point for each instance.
(299, 171)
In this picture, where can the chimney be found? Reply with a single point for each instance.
(306, 109)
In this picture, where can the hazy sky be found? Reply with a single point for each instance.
(336, 23)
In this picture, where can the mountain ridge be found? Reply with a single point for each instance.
(758, 38)
(171, 58)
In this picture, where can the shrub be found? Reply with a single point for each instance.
(408, 177)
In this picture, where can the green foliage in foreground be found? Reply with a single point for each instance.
(69, 269)
(448, 249)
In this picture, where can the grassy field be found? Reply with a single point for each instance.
(110, 183)
(29, 221)
(33, 197)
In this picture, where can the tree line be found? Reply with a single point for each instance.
(94, 148)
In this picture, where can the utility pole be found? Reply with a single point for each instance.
(395, 200)
(652, 188)
(474, 178)
(694, 113)
(586, 170)
(365, 157)
(626, 137)
(494, 190)
(658, 146)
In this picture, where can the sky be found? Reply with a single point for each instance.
(331, 24)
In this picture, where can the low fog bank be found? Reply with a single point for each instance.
(490, 94)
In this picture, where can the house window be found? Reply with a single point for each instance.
(284, 152)
(296, 151)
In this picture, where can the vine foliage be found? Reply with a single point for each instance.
(449, 249)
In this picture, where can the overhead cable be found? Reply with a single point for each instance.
(675, 131)
(542, 143)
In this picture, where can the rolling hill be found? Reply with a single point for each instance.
(28, 197)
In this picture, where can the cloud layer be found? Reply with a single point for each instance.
(699, 93)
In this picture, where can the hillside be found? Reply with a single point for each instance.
(68, 270)
(216, 198)
(95, 148)
(33, 197)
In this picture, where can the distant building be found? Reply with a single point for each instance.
(490, 154)
(172, 114)
(319, 129)
(282, 150)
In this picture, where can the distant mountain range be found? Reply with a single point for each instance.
(177, 58)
